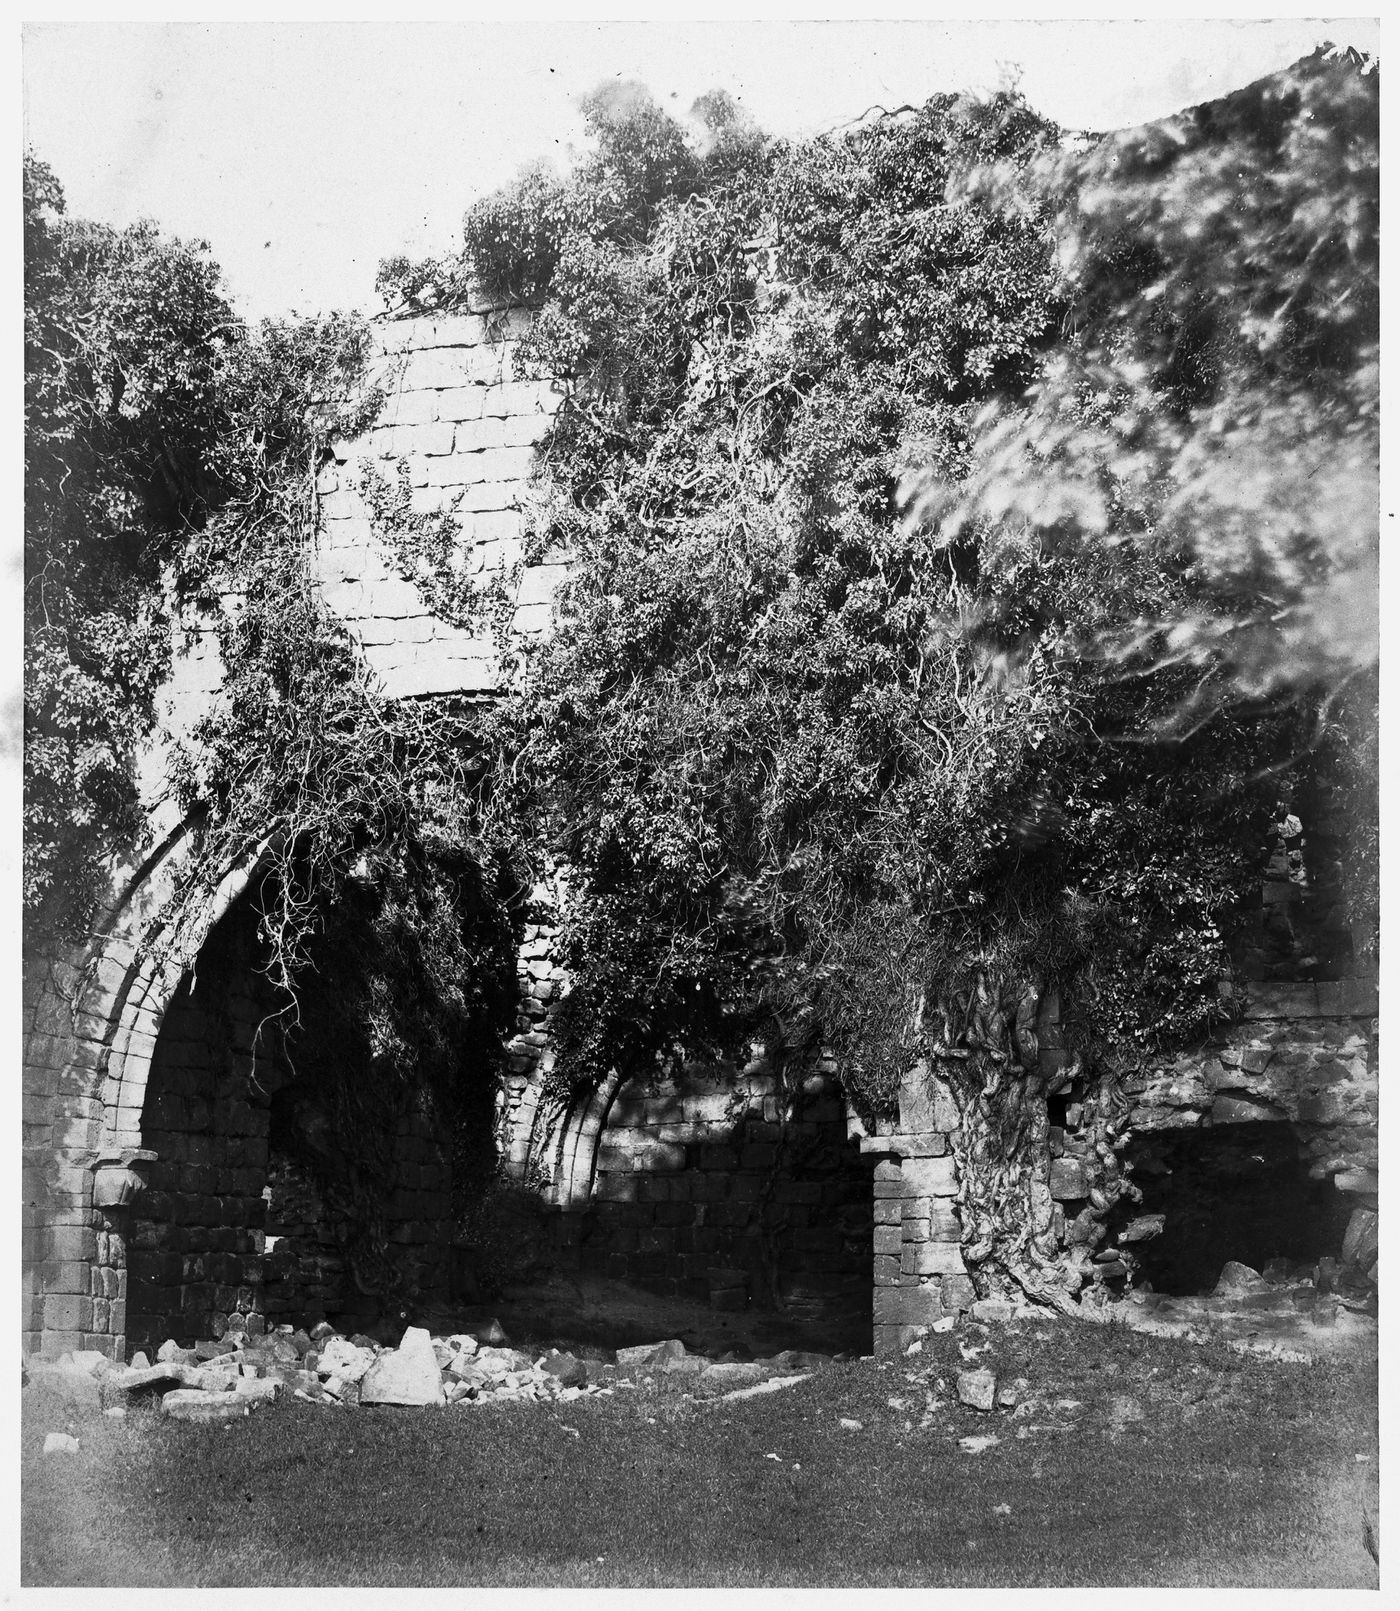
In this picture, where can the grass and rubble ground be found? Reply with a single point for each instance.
(1130, 1459)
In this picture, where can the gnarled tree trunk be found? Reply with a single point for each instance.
(1012, 1243)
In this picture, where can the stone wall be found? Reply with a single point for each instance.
(715, 1184)
(464, 427)
(304, 1271)
(919, 1274)
(222, 1187)
(462, 424)
(195, 1235)
(316, 1265)
(1301, 1056)
(708, 1182)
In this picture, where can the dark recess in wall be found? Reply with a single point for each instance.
(1231, 1191)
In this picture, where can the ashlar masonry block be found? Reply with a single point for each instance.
(398, 441)
(499, 431)
(410, 408)
(523, 398)
(908, 1305)
(463, 402)
(929, 1177)
(889, 1180)
(931, 1258)
(458, 330)
(887, 1240)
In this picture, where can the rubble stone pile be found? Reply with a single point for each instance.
(230, 1376)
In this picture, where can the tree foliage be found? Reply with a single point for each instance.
(1215, 404)
(831, 776)
(1213, 413)
(124, 335)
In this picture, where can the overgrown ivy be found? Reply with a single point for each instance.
(828, 775)
(174, 454)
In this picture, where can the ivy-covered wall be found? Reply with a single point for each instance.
(705, 1185)
(458, 432)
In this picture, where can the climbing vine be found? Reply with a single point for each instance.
(174, 454)
(834, 776)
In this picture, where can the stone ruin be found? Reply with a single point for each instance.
(165, 1177)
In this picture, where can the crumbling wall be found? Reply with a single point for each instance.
(463, 425)
(1301, 1053)
(706, 1184)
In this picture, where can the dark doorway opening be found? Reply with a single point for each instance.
(1230, 1191)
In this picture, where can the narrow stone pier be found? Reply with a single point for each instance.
(919, 1274)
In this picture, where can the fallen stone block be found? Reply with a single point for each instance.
(1237, 1277)
(341, 1358)
(993, 1311)
(795, 1359)
(293, 1376)
(88, 1360)
(977, 1388)
(407, 1374)
(276, 1348)
(774, 1384)
(76, 1386)
(211, 1378)
(716, 1379)
(1143, 1228)
(569, 1370)
(980, 1444)
(190, 1404)
(171, 1353)
(670, 1355)
(121, 1386)
(266, 1388)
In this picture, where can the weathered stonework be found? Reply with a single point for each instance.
(714, 1183)
(1301, 1055)
(919, 1274)
(711, 1182)
(465, 428)
(464, 425)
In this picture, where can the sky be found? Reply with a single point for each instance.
(304, 153)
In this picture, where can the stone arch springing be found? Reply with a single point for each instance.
(92, 1024)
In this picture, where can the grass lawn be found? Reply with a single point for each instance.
(1240, 1471)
